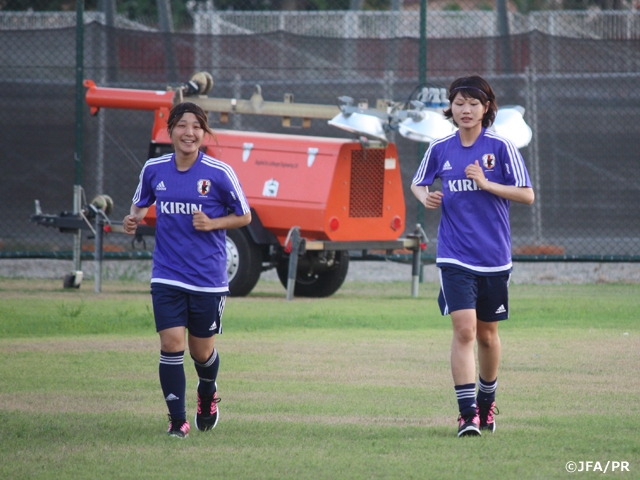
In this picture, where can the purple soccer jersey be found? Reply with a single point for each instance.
(474, 231)
(184, 257)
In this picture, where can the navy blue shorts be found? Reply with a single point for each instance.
(487, 295)
(201, 314)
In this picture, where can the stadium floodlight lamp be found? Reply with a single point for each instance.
(423, 121)
(361, 121)
(509, 123)
(425, 125)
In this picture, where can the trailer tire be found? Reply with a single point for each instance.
(318, 285)
(244, 262)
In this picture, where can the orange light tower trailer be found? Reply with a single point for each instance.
(313, 199)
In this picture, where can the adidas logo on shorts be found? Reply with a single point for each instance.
(501, 309)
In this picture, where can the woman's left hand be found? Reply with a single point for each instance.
(201, 222)
(474, 172)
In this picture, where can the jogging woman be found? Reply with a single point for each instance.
(197, 199)
(481, 174)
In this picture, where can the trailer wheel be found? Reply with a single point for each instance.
(321, 284)
(244, 262)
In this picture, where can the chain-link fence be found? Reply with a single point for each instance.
(575, 73)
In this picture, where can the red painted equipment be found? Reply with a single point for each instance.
(293, 179)
(333, 190)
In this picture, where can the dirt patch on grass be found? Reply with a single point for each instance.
(370, 361)
(424, 421)
(62, 403)
(79, 345)
(47, 288)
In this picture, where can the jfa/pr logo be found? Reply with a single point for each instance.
(588, 466)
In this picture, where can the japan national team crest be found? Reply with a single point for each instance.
(204, 186)
(489, 161)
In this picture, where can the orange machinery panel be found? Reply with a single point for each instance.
(331, 188)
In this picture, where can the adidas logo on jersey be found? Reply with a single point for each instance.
(501, 309)
(171, 397)
(161, 186)
(447, 166)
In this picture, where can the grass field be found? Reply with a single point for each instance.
(356, 386)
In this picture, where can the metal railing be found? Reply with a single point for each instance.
(623, 24)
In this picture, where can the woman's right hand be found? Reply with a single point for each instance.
(129, 224)
(433, 200)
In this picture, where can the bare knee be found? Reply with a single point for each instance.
(201, 356)
(201, 349)
(464, 326)
(172, 340)
(171, 345)
(488, 338)
(465, 334)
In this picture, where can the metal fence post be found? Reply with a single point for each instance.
(293, 262)
(77, 188)
(97, 252)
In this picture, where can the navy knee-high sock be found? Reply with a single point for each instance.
(207, 373)
(487, 391)
(173, 382)
(466, 395)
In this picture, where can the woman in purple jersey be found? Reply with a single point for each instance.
(480, 173)
(196, 305)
